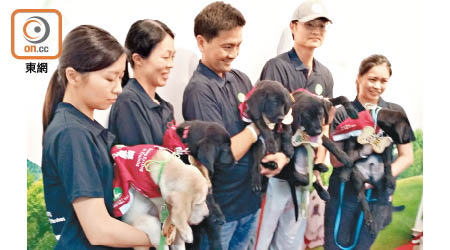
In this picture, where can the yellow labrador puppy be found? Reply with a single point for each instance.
(147, 175)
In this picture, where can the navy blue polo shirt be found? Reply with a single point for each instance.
(289, 70)
(136, 119)
(209, 97)
(75, 163)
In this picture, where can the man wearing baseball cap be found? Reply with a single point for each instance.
(295, 69)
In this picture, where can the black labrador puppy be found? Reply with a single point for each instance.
(310, 113)
(268, 107)
(205, 145)
(365, 149)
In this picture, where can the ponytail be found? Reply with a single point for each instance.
(54, 95)
(126, 75)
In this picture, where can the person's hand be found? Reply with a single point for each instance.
(280, 158)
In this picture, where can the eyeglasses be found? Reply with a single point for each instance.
(316, 25)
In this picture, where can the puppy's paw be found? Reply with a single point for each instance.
(256, 182)
(368, 219)
(320, 167)
(186, 234)
(216, 215)
(256, 188)
(150, 225)
(270, 165)
(169, 232)
(323, 194)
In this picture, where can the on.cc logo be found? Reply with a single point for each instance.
(36, 34)
(36, 29)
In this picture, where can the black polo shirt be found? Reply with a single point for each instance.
(75, 163)
(289, 70)
(136, 119)
(209, 97)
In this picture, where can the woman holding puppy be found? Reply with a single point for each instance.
(140, 115)
(372, 80)
(76, 164)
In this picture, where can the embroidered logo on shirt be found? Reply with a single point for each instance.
(318, 89)
(241, 97)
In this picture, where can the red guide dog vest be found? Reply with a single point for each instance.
(353, 127)
(130, 172)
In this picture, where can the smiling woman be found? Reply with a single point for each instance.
(140, 115)
(373, 76)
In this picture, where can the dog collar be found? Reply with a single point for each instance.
(243, 106)
(301, 137)
(368, 135)
(162, 165)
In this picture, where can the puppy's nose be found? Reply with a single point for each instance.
(279, 119)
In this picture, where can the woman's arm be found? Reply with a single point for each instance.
(102, 229)
(404, 160)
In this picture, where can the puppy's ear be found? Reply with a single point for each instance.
(226, 156)
(287, 100)
(180, 129)
(255, 104)
(396, 125)
(327, 107)
(179, 204)
(296, 113)
(206, 155)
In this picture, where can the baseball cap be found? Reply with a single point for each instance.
(310, 10)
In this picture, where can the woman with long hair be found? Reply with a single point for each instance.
(76, 163)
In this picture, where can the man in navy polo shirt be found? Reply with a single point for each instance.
(213, 94)
(295, 69)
